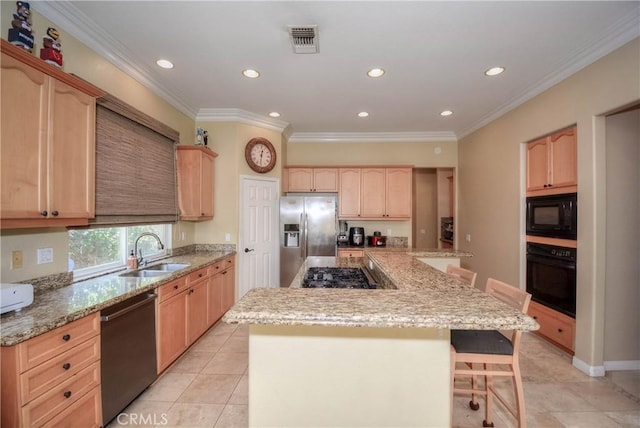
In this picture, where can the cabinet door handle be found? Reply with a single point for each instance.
(55, 213)
(44, 213)
(66, 337)
(67, 394)
(246, 250)
(66, 366)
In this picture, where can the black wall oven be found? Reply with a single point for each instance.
(551, 276)
(553, 216)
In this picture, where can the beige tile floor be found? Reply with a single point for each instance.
(207, 387)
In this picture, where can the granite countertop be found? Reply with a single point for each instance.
(57, 307)
(416, 295)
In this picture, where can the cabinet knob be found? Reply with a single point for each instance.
(67, 394)
(224, 273)
(44, 213)
(535, 317)
(66, 366)
(55, 213)
(66, 337)
(199, 275)
(559, 330)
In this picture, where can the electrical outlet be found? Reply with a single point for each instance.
(16, 259)
(388, 232)
(45, 255)
(183, 236)
(227, 237)
(468, 237)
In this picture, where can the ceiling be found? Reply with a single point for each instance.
(434, 54)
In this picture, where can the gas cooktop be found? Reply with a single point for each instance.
(334, 277)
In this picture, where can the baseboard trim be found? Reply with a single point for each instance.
(593, 371)
(622, 365)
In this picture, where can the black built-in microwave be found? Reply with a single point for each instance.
(553, 216)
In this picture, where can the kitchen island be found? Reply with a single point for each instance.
(352, 357)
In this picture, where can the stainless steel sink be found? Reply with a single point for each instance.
(145, 273)
(167, 267)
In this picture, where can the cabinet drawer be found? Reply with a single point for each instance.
(172, 288)
(198, 275)
(227, 263)
(46, 346)
(350, 253)
(216, 268)
(42, 378)
(554, 325)
(83, 413)
(46, 406)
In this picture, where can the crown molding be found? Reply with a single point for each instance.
(242, 116)
(80, 26)
(619, 34)
(372, 137)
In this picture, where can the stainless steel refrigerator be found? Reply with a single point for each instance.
(308, 227)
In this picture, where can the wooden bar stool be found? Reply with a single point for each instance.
(462, 274)
(491, 353)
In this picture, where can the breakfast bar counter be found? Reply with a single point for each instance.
(314, 352)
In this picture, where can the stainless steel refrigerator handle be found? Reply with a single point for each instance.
(128, 309)
(303, 244)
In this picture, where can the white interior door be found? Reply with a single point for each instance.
(259, 245)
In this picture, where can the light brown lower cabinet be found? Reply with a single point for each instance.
(188, 306)
(554, 326)
(54, 379)
(350, 253)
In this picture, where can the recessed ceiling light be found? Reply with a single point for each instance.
(164, 63)
(251, 74)
(375, 72)
(494, 71)
(446, 113)
(363, 114)
(274, 114)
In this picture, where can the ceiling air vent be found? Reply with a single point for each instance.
(304, 38)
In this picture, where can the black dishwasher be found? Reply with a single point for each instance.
(128, 352)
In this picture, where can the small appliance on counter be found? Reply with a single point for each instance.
(356, 236)
(14, 297)
(343, 236)
(377, 240)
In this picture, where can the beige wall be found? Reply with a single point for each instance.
(80, 60)
(228, 140)
(491, 185)
(622, 286)
(415, 154)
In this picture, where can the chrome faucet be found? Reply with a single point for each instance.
(140, 259)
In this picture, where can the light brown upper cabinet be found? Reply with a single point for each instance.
(195, 182)
(375, 193)
(48, 144)
(552, 163)
(350, 192)
(312, 179)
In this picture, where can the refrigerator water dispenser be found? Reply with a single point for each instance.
(291, 235)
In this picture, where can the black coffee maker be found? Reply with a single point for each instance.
(356, 236)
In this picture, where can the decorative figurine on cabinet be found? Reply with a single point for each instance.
(21, 33)
(52, 52)
(205, 137)
(199, 132)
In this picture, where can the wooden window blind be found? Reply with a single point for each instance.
(135, 167)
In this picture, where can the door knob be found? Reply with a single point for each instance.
(246, 250)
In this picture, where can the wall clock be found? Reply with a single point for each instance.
(260, 155)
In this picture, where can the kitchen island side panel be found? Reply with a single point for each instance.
(307, 376)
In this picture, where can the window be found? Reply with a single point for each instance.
(101, 250)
